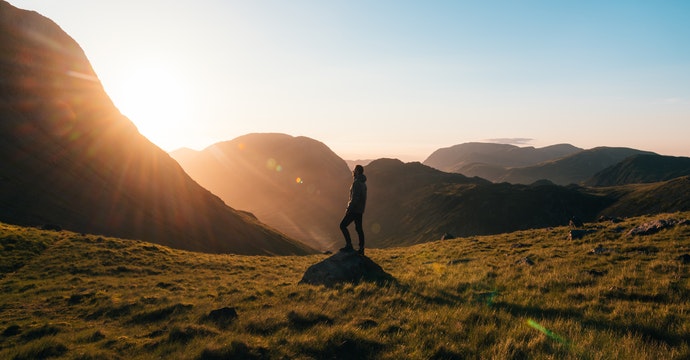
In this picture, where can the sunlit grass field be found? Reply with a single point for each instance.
(524, 295)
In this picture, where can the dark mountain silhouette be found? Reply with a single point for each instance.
(411, 203)
(471, 158)
(295, 184)
(68, 157)
(572, 169)
(639, 169)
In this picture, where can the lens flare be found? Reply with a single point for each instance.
(487, 297)
(271, 164)
(376, 228)
(533, 324)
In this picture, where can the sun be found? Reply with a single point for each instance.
(155, 99)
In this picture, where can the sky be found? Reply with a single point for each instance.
(393, 78)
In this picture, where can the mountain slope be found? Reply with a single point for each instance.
(68, 157)
(642, 199)
(409, 203)
(639, 169)
(295, 184)
(572, 169)
(462, 158)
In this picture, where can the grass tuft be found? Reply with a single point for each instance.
(303, 321)
(44, 349)
(161, 314)
(236, 350)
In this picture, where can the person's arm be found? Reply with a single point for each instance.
(356, 196)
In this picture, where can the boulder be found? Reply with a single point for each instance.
(447, 236)
(223, 316)
(655, 226)
(604, 218)
(596, 273)
(600, 250)
(576, 234)
(575, 222)
(345, 267)
(525, 261)
(685, 259)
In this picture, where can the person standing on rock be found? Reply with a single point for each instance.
(355, 209)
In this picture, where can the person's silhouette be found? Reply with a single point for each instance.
(355, 209)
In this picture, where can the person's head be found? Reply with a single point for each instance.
(359, 170)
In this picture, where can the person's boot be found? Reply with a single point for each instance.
(348, 247)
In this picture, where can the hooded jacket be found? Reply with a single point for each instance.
(358, 195)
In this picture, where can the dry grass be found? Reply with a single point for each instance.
(529, 294)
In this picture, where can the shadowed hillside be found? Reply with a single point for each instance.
(572, 169)
(411, 202)
(68, 157)
(641, 199)
(295, 184)
(640, 169)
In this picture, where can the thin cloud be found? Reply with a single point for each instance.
(511, 141)
(670, 101)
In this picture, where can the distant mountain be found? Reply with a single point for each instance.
(295, 184)
(412, 203)
(352, 163)
(572, 169)
(639, 169)
(184, 155)
(561, 164)
(463, 158)
(69, 158)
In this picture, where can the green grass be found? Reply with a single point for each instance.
(73, 296)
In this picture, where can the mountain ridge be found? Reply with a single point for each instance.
(68, 157)
(454, 158)
(293, 183)
(561, 164)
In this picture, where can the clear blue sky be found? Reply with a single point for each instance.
(393, 78)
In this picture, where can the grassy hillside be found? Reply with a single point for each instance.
(640, 169)
(639, 199)
(528, 294)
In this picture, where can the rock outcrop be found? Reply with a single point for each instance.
(655, 226)
(345, 267)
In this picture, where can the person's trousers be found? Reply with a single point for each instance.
(347, 220)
